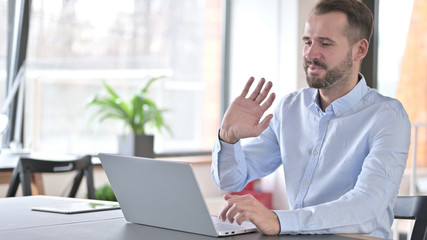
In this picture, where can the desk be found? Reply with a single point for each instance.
(17, 221)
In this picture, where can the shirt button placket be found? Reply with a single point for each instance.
(311, 167)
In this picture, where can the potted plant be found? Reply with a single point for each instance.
(137, 114)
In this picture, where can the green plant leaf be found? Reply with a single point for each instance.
(151, 81)
(110, 90)
(136, 114)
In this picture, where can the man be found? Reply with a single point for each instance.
(343, 145)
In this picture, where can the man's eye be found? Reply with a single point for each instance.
(307, 43)
(326, 44)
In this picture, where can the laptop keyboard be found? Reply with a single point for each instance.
(227, 226)
(223, 226)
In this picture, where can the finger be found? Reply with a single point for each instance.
(247, 87)
(226, 206)
(223, 212)
(267, 104)
(232, 211)
(257, 90)
(238, 204)
(236, 210)
(240, 211)
(264, 93)
(264, 124)
(242, 216)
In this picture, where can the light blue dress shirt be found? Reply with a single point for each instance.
(343, 167)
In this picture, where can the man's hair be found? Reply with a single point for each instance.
(359, 17)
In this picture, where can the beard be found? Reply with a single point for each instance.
(332, 76)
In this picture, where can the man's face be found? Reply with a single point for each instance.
(327, 55)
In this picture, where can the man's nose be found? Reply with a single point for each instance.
(311, 52)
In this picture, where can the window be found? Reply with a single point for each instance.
(401, 70)
(264, 42)
(3, 51)
(393, 32)
(75, 45)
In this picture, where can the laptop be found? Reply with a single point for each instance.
(164, 194)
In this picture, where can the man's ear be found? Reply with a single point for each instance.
(360, 49)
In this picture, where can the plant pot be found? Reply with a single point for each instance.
(136, 145)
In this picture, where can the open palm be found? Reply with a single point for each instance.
(243, 117)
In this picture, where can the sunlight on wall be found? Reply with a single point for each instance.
(413, 78)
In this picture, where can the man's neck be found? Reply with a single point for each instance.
(338, 90)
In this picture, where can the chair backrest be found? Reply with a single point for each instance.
(35, 164)
(30, 164)
(413, 207)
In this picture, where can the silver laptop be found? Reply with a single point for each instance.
(163, 194)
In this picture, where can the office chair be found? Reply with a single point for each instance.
(413, 207)
(27, 165)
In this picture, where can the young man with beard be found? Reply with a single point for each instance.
(342, 144)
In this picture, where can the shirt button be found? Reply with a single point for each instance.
(315, 153)
(324, 122)
(305, 183)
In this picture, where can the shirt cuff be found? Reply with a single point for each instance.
(288, 222)
(225, 148)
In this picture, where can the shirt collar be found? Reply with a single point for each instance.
(345, 103)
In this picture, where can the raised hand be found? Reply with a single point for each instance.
(243, 117)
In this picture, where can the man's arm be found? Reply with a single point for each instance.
(239, 169)
(235, 165)
(241, 120)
